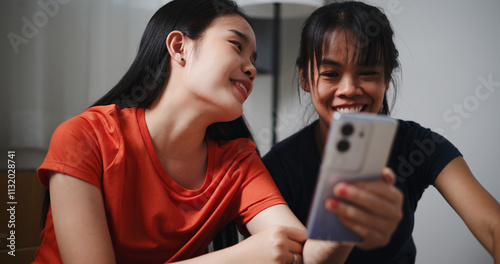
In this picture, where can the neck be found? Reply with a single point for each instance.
(176, 122)
(320, 134)
(177, 129)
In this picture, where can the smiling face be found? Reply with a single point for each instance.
(343, 82)
(220, 68)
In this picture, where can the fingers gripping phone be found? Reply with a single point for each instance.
(357, 149)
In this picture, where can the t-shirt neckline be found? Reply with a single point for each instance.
(171, 184)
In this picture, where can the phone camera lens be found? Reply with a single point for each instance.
(347, 129)
(343, 145)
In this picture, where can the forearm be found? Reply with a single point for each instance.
(496, 244)
(318, 251)
(233, 254)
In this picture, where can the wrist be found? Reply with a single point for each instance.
(322, 251)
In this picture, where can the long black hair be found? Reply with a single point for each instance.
(144, 80)
(150, 71)
(373, 39)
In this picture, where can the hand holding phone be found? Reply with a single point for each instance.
(357, 149)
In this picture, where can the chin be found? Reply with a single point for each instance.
(231, 115)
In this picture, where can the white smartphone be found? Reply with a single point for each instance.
(357, 149)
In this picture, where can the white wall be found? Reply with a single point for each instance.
(450, 56)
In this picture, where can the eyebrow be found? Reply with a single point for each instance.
(336, 63)
(330, 62)
(239, 34)
(245, 39)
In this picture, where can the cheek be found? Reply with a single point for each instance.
(323, 93)
(322, 97)
(206, 72)
(376, 92)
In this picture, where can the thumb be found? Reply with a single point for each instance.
(388, 176)
(296, 234)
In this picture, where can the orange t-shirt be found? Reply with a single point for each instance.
(150, 217)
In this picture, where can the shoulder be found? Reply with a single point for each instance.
(301, 142)
(410, 127)
(236, 145)
(78, 145)
(107, 114)
(93, 115)
(410, 132)
(97, 119)
(97, 129)
(295, 157)
(232, 151)
(419, 153)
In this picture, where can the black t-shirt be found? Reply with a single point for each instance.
(418, 155)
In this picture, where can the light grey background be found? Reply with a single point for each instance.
(449, 50)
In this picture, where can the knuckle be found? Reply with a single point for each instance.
(278, 230)
(399, 216)
(385, 240)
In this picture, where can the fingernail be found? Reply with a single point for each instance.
(342, 190)
(332, 204)
(388, 179)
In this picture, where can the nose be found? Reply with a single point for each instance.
(348, 87)
(249, 70)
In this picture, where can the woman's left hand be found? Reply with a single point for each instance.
(375, 208)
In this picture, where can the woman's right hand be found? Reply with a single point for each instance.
(275, 244)
(373, 208)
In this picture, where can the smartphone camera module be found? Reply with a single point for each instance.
(343, 145)
(347, 129)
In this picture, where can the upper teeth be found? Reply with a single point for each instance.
(241, 85)
(349, 110)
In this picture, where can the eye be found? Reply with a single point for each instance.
(370, 75)
(330, 74)
(237, 44)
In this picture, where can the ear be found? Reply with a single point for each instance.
(176, 46)
(303, 83)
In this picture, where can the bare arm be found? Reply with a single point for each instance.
(83, 236)
(285, 222)
(478, 209)
(79, 221)
(373, 211)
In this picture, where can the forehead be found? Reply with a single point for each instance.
(345, 47)
(341, 45)
(230, 24)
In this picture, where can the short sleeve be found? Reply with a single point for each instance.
(73, 150)
(418, 157)
(257, 191)
(443, 154)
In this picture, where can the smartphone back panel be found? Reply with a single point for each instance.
(357, 148)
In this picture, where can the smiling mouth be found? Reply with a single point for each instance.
(349, 110)
(241, 85)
